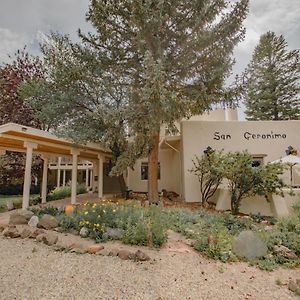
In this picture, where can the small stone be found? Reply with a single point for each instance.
(114, 233)
(10, 205)
(126, 254)
(11, 232)
(84, 232)
(48, 222)
(285, 252)
(33, 222)
(248, 244)
(141, 256)
(25, 233)
(95, 249)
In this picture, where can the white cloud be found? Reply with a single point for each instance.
(10, 42)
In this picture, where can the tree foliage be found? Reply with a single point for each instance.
(147, 63)
(13, 109)
(272, 81)
(244, 180)
(209, 168)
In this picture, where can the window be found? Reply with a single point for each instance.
(144, 171)
(258, 160)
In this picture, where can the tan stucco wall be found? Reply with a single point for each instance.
(197, 135)
(169, 172)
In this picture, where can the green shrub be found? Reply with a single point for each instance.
(49, 210)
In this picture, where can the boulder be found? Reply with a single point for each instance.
(95, 249)
(126, 254)
(249, 245)
(33, 222)
(284, 251)
(10, 205)
(114, 233)
(20, 217)
(84, 232)
(141, 256)
(47, 238)
(11, 232)
(47, 222)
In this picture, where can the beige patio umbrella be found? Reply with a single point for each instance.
(290, 160)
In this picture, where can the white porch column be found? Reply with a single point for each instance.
(100, 176)
(64, 178)
(58, 172)
(94, 173)
(2, 152)
(91, 179)
(87, 176)
(75, 153)
(27, 178)
(45, 178)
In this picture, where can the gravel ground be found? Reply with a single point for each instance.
(29, 270)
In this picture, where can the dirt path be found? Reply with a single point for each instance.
(29, 270)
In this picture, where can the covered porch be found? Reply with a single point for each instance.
(18, 138)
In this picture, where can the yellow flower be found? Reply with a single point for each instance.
(94, 205)
(86, 212)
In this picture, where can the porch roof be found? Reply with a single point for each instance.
(14, 136)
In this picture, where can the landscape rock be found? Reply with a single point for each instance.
(33, 222)
(248, 244)
(20, 217)
(25, 233)
(293, 286)
(10, 205)
(114, 233)
(141, 256)
(126, 254)
(78, 251)
(47, 238)
(84, 232)
(48, 222)
(95, 249)
(11, 232)
(35, 232)
(2, 227)
(113, 252)
(284, 251)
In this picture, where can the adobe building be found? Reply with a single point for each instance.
(266, 141)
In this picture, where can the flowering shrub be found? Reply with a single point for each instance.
(141, 226)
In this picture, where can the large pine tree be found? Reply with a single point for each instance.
(272, 81)
(168, 60)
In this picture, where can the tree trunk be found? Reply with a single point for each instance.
(123, 186)
(153, 171)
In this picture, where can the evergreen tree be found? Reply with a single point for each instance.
(272, 81)
(168, 60)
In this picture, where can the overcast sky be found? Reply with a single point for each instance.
(24, 22)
